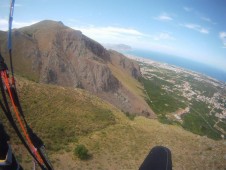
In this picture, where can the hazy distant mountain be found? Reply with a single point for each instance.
(118, 47)
(50, 52)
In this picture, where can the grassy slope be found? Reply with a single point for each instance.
(124, 146)
(67, 117)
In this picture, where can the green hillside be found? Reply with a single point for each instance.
(185, 98)
(66, 117)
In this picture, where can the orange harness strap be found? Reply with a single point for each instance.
(34, 150)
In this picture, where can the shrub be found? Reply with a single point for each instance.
(81, 152)
(131, 116)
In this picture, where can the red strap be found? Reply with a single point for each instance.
(33, 149)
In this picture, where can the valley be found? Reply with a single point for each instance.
(189, 99)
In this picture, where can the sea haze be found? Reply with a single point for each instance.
(181, 62)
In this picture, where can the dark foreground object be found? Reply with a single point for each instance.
(7, 158)
(159, 158)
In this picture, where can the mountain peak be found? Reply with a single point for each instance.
(51, 22)
(44, 25)
(50, 52)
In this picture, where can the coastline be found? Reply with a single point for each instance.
(187, 70)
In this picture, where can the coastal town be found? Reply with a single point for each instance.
(198, 94)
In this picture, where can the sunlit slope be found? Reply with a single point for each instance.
(124, 146)
(60, 115)
(66, 117)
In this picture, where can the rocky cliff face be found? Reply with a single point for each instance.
(126, 64)
(50, 52)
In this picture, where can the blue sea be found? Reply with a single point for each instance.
(181, 62)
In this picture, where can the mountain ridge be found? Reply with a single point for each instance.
(49, 52)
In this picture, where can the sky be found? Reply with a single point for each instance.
(193, 29)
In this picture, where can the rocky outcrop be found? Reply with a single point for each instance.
(50, 52)
(126, 64)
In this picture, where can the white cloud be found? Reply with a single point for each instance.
(222, 36)
(163, 36)
(118, 30)
(16, 24)
(108, 30)
(164, 17)
(112, 34)
(188, 9)
(197, 28)
(207, 20)
(3, 24)
(131, 37)
(199, 15)
(23, 24)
